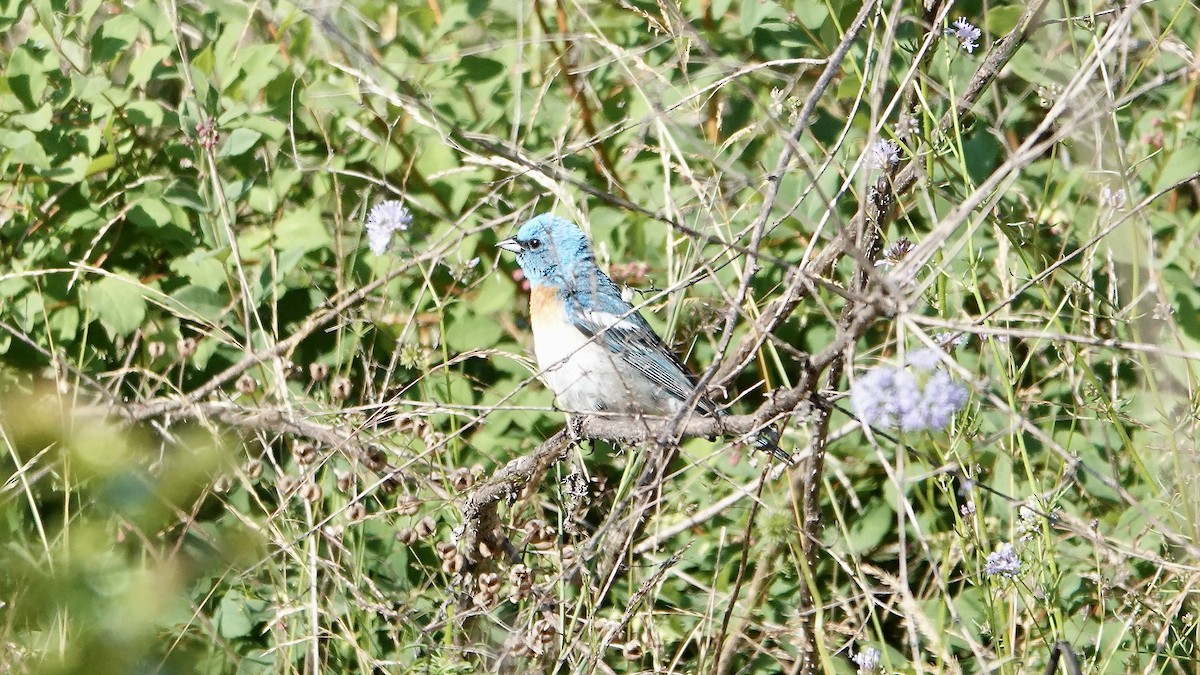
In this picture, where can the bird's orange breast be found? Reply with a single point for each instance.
(544, 306)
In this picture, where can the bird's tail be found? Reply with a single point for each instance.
(767, 440)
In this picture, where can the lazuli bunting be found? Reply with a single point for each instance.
(598, 354)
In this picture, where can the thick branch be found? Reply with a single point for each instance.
(481, 535)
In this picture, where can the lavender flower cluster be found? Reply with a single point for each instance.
(384, 221)
(1003, 562)
(967, 34)
(914, 398)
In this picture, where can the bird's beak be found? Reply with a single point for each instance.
(509, 244)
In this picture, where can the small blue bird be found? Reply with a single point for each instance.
(598, 354)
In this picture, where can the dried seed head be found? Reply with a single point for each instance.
(453, 565)
(489, 582)
(568, 555)
(540, 535)
(520, 649)
(156, 349)
(408, 505)
(406, 536)
(310, 492)
(520, 581)
(305, 453)
(445, 550)
(374, 459)
(186, 347)
(356, 512)
(285, 484)
(317, 372)
(222, 485)
(344, 479)
(544, 632)
(425, 527)
(632, 650)
(246, 384)
(461, 479)
(389, 485)
(253, 469)
(341, 388)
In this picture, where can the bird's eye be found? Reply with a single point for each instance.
(535, 244)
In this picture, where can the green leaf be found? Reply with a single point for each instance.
(144, 113)
(71, 171)
(871, 527)
(183, 193)
(26, 77)
(150, 213)
(141, 69)
(100, 164)
(38, 120)
(240, 140)
(202, 269)
(118, 302)
(233, 619)
(115, 36)
(472, 331)
(64, 323)
(1179, 165)
(1001, 20)
(479, 69)
(811, 14)
(23, 148)
(304, 228)
(201, 301)
(756, 13)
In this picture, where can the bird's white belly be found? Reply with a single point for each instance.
(586, 377)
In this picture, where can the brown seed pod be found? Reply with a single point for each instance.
(425, 527)
(453, 565)
(408, 505)
(544, 631)
(310, 492)
(285, 484)
(445, 550)
(317, 372)
(344, 480)
(304, 452)
(246, 384)
(632, 650)
(253, 469)
(374, 458)
(341, 388)
(156, 349)
(461, 479)
(186, 347)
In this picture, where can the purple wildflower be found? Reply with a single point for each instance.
(918, 398)
(925, 359)
(1113, 199)
(867, 660)
(1003, 561)
(384, 220)
(966, 34)
(883, 154)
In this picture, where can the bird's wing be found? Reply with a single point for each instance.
(625, 333)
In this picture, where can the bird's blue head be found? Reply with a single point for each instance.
(552, 251)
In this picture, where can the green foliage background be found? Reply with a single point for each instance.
(235, 439)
